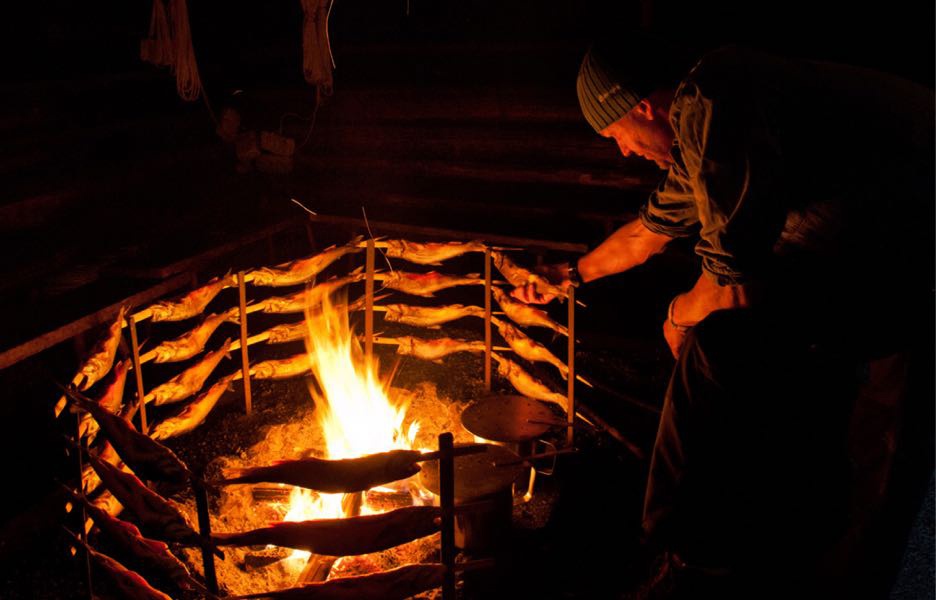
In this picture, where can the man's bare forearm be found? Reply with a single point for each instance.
(629, 246)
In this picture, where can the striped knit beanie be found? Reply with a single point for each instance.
(615, 77)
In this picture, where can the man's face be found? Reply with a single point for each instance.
(645, 133)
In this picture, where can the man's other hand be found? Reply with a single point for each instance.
(556, 274)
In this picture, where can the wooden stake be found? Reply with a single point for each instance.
(245, 359)
(487, 319)
(570, 432)
(204, 530)
(138, 371)
(82, 531)
(369, 302)
(447, 503)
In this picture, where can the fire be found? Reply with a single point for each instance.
(352, 406)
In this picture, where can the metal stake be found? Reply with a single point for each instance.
(204, 530)
(447, 503)
(138, 371)
(245, 359)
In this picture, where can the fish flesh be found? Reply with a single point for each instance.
(394, 584)
(343, 537)
(526, 384)
(192, 303)
(100, 360)
(128, 584)
(435, 349)
(111, 399)
(431, 253)
(528, 348)
(333, 476)
(429, 316)
(310, 297)
(144, 455)
(158, 517)
(303, 269)
(194, 414)
(189, 381)
(190, 344)
(287, 332)
(519, 277)
(426, 284)
(524, 314)
(152, 553)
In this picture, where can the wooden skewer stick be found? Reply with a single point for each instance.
(570, 361)
(369, 302)
(244, 343)
(459, 451)
(138, 372)
(254, 339)
(487, 320)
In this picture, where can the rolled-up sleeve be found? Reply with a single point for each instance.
(671, 208)
(733, 165)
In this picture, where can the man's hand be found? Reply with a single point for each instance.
(674, 336)
(557, 274)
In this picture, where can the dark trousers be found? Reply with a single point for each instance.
(749, 467)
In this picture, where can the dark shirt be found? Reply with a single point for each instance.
(779, 158)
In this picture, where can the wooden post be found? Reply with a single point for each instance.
(487, 319)
(245, 359)
(570, 432)
(369, 302)
(138, 371)
(447, 503)
(204, 530)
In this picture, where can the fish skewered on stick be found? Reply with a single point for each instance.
(333, 476)
(155, 514)
(436, 349)
(89, 478)
(311, 297)
(286, 368)
(99, 361)
(429, 316)
(189, 381)
(152, 553)
(524, 314)
(111, 399)
(526, 384)
(303, 269)
(144, 455)
(194, 414)
(431, 253)
(519, 277)
(395, 584)
(345, 536)
(425, 284)
(129, 583)
(528, 348)
(192, 303)
(190, 344)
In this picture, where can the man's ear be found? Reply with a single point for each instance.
(644, 109)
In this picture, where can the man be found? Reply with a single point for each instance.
(809, 190)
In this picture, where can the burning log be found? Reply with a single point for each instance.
(333, 476)
(395, 584)
(143, 454)
(343, 537)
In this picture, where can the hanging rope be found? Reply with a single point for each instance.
(170, 45)
(188, 83)
(157, 47)
(317, 63)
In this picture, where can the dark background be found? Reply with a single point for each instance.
(447, 113)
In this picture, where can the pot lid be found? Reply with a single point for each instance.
(507, 418)
(476, 475)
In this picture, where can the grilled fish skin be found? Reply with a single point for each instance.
(194, 414)
(524, 314)
(190, 344)
(436, 349)
(519, 277)
(193, 303)
(526, 384)
(429, 316)
(303, 269)
(426, 284)
(431, 253)
(528, 348)
(189, 381)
